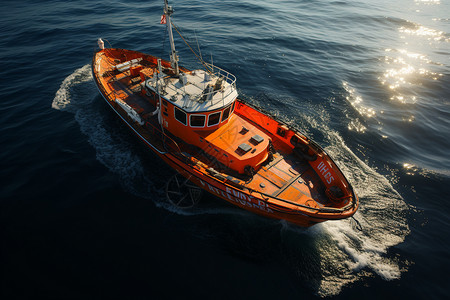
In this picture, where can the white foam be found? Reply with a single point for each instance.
(62, 98)
(346, 254)
(381, 215)
(78, 95)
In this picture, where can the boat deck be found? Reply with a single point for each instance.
(284, 177)
(291, 179)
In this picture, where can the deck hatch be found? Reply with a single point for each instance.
(256, 139)
(243, 130)
(243, 148)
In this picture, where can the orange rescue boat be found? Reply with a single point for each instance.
(194, 121)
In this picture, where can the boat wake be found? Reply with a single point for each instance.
(383, 224)
(77, 94)
(347, 250)
(114, 149)
(63, 97)
(338, 253)
(350, 251)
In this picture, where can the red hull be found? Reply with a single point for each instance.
(295, 184)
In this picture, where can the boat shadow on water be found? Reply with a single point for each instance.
(323, 259)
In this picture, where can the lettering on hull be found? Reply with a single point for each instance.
(238, 197)
(323, 169)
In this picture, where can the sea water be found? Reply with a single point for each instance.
(83, 210)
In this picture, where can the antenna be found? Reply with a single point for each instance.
(198, 46)
(168, 11)
(212, 63)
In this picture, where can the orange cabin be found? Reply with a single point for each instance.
(198, 107)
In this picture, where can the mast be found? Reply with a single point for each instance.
(168, 11)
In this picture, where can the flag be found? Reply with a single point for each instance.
(163, 19)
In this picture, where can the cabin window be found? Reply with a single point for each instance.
(226, 113)
(197, 120)
(214, 119)
(180, 116)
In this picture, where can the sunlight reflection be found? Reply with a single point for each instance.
(427, 2)
(355, 125)
(424, 31)
(405, 70)
(408, 119)
(410, 169)
(357, 102)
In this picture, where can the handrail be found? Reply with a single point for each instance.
(231, 79)
(113, 92)
(222, 75)
(206, 94)
(177, 148)
(266, 197)
(294, 128)
(320, 209)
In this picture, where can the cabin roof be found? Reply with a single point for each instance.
(196, 91)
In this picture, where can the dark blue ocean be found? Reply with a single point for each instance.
(82, 203)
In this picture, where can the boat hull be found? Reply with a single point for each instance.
(238, 192)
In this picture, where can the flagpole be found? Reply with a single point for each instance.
(173, 57)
